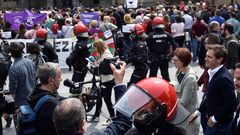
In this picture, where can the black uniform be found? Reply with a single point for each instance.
(159, 43)
(138, 56)
(78, 60)
(49, 52)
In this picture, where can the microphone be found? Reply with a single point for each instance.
(91, 59)
(68, 83)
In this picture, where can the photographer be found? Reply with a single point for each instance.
(138, 55)
(107, 81)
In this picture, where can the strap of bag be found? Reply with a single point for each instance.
(106, 27)
(40, 102)
(65, 32)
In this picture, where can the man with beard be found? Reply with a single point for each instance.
(156, 113)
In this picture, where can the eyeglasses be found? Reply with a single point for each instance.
(175, 60)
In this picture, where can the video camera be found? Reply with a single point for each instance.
(104, 66)
(75, 88)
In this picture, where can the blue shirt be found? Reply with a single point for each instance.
(22, 80)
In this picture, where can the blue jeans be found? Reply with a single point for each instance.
(127, 44)
(195, 45)
(218, 129)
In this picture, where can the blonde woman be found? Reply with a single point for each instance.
(107, 81)
(127, 41)
(107, 25)
(93, 28)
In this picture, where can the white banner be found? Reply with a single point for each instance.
(63, 47)
(132, 3)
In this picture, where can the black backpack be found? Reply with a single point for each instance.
(236, 43)
(5, 61)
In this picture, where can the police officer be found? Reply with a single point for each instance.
(77, 58)
(161, 45)
(138, 54)
(48, 50)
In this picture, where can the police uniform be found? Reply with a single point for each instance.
(138, 56)
(79, 62)
(159, 43)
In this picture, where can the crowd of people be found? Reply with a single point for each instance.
(148, 38)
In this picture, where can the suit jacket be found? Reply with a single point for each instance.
(235, 129)
(220, 101)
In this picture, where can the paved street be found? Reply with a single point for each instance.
(90, 127)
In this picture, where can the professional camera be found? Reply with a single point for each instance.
(104, 66)
(75, 88)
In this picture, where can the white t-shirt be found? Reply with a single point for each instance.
(177, 29)
(67, 31)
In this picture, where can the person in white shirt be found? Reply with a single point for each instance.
(31, 34)
(67, 29)
(177, 30)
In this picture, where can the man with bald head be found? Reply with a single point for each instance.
(70, 112)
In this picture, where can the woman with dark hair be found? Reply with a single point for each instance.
(35, 54)
(186, 86)
(177, 30)
(21, 32)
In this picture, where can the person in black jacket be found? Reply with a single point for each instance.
(50, 76)
(77, 58)
(148, 114)
(160, 45)
(220, 101)
(48, 50)
(138, 55)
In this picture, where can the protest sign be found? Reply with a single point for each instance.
(27, 17)
(86, 17)
(109, 41)
(132, 3)
(63, 47)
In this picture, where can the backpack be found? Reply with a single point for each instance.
(235, 42)
(26, 117)
(5, 61)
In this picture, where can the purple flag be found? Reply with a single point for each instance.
(26, 17)
(86, 17)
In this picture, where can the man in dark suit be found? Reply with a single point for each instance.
(220, 102)
(235, 128)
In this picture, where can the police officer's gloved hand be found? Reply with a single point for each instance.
(69, 67)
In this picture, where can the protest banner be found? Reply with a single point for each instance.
(63, 47)
(27, 17)
(86, 17)
(107, 37)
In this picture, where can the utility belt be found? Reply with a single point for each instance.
(155, 57)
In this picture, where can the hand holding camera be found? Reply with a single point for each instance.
(118, 73)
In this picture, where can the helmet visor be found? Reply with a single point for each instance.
(134, 99)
